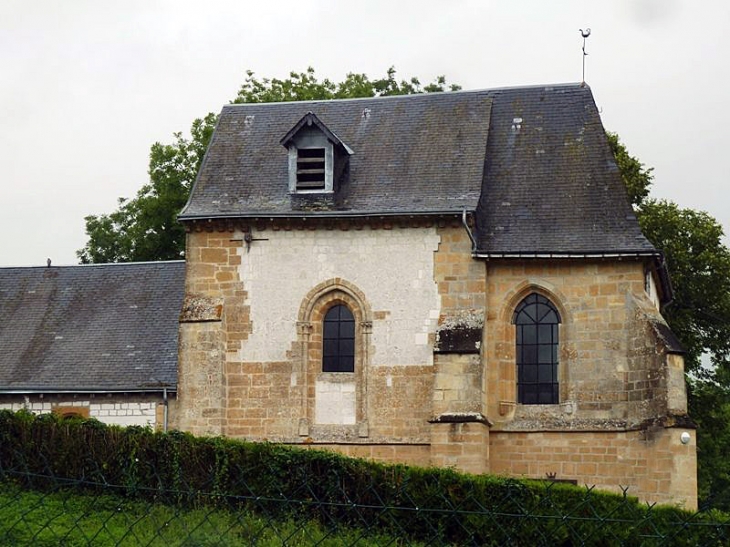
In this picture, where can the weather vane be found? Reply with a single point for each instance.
(585, 33)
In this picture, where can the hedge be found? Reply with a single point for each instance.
(436, 505)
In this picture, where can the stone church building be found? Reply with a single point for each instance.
(452, 279)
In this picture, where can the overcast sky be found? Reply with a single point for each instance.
(86, 86)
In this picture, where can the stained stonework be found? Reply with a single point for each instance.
(214, 321)
(435, 348)
(612, 365)
(256, 372)
(653, 464)
(622, 398)
(392, 267)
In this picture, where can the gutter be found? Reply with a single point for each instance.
(568, 254)
(320, 214)
(36, 391)
(165, 410)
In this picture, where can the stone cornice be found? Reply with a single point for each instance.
(375, 222)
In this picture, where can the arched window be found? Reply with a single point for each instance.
(536, 320)
(338, 340)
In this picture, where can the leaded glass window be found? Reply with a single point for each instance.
(536, 320)
(338, 340)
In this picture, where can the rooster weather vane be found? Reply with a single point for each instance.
(585, 34)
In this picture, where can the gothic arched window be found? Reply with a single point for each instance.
(536, 320)
(338, 340)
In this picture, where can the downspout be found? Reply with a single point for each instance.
(468, 231)
(484, 370)
(164, 409)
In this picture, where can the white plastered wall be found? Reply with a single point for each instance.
(112, 413)
(393, 269)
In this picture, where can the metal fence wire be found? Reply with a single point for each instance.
(263, 495)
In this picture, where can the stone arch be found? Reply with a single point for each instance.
(321, 388)
(346, 290)
(512, 298)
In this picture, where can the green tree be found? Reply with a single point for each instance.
(637, 178)
(145, 228)
(698, 264)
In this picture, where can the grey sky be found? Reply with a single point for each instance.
(86, 86)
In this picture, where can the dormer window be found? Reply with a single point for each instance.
(317, 157)
(311, 172)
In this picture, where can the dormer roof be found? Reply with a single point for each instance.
(308, 120)
(421, 153)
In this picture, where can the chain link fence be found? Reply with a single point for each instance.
(84, 484)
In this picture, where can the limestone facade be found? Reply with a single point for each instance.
(434, 380)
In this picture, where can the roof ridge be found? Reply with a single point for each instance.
(143, 263)
(423, 94)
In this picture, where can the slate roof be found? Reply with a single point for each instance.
(532, 163)
(88, 328)
(551, 184)
(421, 153)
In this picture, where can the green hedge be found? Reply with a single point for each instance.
(435, 505)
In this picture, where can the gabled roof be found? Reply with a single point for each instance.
(102, 327)
(531, 163)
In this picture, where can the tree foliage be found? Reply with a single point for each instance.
(699, 265)
(145, 228)
(637, 178)
(305, 86)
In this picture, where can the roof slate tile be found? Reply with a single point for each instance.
(532, 163)
(96, 327)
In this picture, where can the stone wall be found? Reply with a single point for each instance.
(435, 373)
(610, 361)
(250, 336)
(622, 397)
(393, 269)
(652, 463)
(213, 323)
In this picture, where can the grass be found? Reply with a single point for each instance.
(71, 519)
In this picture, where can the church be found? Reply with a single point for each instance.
(450, 279)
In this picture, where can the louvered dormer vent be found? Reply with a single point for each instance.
(317, 157)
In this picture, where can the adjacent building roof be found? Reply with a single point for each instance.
(108, 327)
(532, 164)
